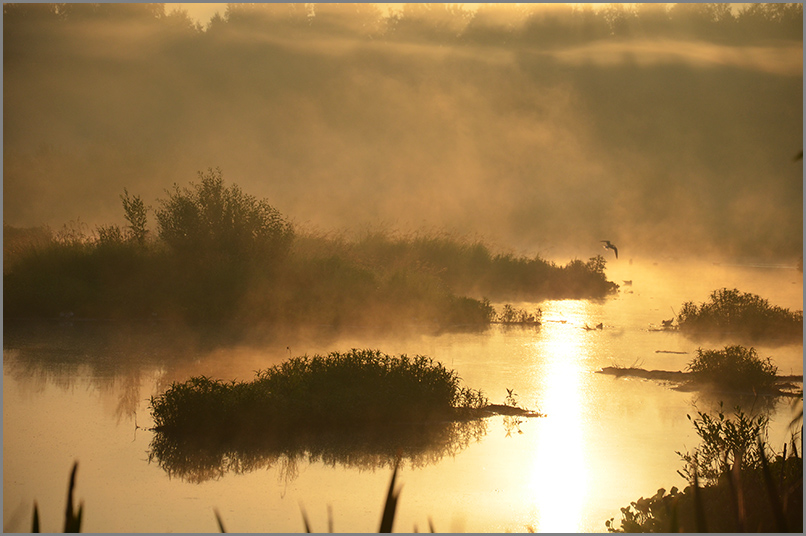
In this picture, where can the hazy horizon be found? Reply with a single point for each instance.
(664, 144)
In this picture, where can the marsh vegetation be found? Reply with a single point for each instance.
(735, 369)
(219, 255)
(386, 166)
(730, 312)
(359, 388)
(737, 483)
(361, 408)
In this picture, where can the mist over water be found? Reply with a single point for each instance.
(669, 146)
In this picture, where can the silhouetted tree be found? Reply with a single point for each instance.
(135, 212)
(550, 24)
(441, 23)
(699, 20)
(277, 18)
(211, 220)
(357, 19)
(621, 19)
(771, 20)
(653, 20)
(493, 24)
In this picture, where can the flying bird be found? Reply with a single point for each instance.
(608, 245)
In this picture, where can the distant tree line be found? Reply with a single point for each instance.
(394, 108)
(488, 24)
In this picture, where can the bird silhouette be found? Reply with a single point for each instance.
(608, 245)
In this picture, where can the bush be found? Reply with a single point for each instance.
(725, 441)
(735, 367)
(745, 314)
(357, 388)
(222, 257)
(210, 220)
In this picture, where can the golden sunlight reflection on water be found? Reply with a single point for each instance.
(559, 468)
(604, 441)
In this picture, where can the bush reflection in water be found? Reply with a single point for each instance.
(199, 458)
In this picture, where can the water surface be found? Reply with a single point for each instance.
(81, 392)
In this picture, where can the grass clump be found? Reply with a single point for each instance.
(729, 311)
(734, 367)
(514, 315)
(354, 389)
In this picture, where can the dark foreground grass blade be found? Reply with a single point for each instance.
(699, 508)
(305, 519)
(220, 522)
(671, 513)
(35, 523)
(772, 493)
(391, 503)
(72, 519)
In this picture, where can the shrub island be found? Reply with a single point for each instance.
(742, 314)
(734, 368)
(341, 391)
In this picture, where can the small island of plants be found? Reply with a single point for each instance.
(344, 391)
(742, 314)
(734, 368)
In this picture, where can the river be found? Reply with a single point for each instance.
(80, 391)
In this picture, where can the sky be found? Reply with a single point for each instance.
(664, 146)
(201, 11)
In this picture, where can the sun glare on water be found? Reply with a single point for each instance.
(560, 469)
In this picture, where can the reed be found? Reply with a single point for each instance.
(72, 517)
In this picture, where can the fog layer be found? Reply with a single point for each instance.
(664, 144)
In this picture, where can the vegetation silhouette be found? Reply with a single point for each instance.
(734, 370)
(736, 483)
(558, 24)
(731, 313)
(361, 408)
(735, 367)
(222, 259)
(338, 391)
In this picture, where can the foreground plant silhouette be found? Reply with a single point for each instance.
(736, 484)
(72, 517)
